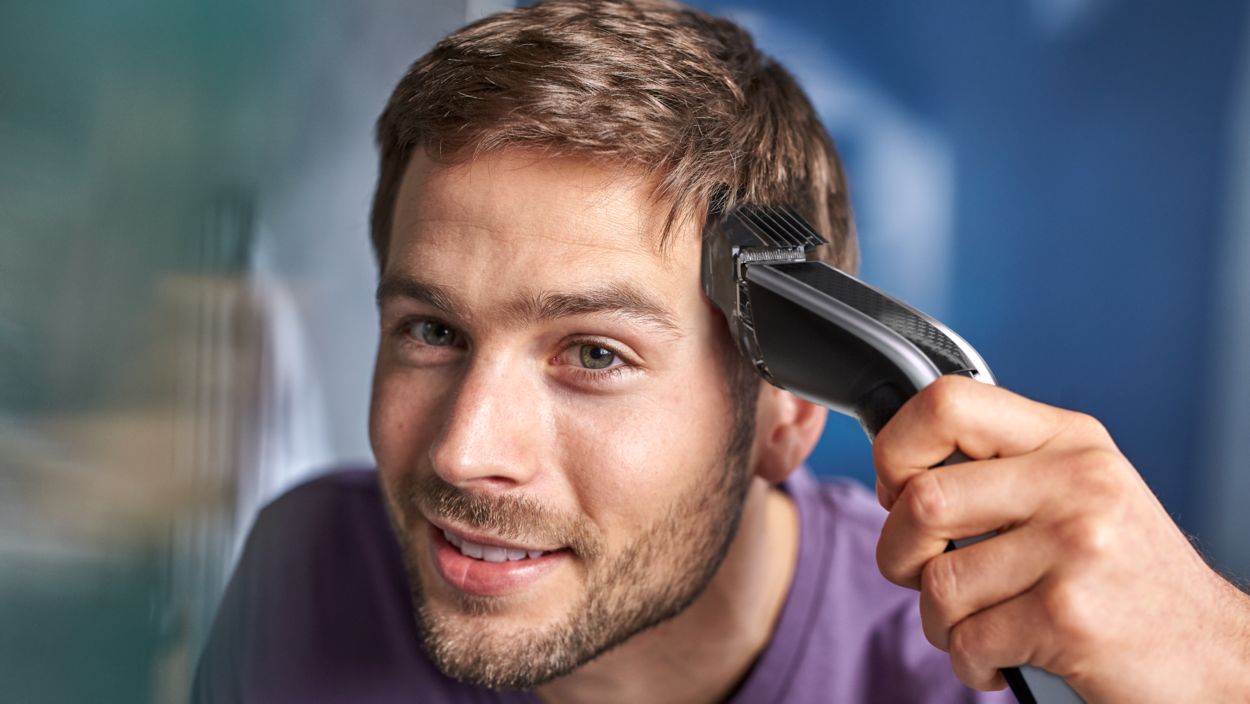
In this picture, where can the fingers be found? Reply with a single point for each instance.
(1018, 632)
(1056, 489)
(959, 501)
(991, 640)
(957, 413)
(957, 584)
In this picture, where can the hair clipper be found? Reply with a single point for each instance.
(832, 339)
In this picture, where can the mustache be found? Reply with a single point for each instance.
(508, 516)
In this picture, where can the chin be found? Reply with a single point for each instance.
(485, 642)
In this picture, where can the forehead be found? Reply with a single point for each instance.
(532, 208)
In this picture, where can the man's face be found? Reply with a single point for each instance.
(558, 444)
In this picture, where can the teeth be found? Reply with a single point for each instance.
(489, 553)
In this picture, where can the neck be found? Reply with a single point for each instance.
(702, 654)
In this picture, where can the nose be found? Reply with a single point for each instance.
(490, 436)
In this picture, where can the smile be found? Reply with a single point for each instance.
(475, 566)
(490, 553)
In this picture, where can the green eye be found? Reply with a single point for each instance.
(436, 334)
(596, 357)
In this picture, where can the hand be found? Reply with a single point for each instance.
(1088, 577)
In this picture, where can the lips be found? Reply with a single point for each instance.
(476, 566)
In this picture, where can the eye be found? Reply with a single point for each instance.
(433, 333)
(596, 357)
(594, 364)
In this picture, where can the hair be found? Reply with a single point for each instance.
(649, 84)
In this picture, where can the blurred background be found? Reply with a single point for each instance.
(186, 316)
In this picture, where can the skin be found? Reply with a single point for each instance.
(1089, 578)
(510, 411)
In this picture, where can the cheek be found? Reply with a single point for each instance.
(400, 420)
(629, 459)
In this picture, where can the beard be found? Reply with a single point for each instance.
(656, 576)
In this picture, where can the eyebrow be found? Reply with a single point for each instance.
(619, 299)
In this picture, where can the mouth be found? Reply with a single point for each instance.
(491, 553)
(484, 566)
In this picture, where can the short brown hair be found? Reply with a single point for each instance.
(648, 83)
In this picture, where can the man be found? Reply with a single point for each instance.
(584, 494)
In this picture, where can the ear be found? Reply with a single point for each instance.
(786, 430)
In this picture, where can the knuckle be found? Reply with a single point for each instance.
(1089, 427)
(965, 647)
(940, 583)
(926, 500)
(942, 400)
(1067, 611)
(892, 568)
(1088, 537)
(936, 629)
(889, 569)
(883, 454)
(973, 646)
(1094, 472)
(892, 573)
(888, 461)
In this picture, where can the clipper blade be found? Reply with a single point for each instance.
(750, 235)
(771, 233)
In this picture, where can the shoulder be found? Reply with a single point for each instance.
(840, 521)
(846, 633)
(839, 524)
(337, 506)
(846, 501)
(329, 493)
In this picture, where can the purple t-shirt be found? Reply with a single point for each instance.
(318, 611)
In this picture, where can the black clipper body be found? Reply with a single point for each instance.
(832, 339)
(818, 332)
